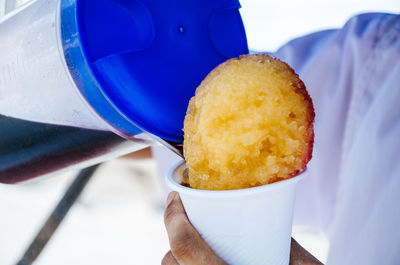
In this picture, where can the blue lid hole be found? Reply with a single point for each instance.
(181, 29)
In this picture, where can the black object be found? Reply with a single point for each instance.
(57, 216)
(30, 149)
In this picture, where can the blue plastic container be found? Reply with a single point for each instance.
(137, 63)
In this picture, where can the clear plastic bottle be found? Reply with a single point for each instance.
(127, 67)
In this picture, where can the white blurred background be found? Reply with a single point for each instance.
(118, 219)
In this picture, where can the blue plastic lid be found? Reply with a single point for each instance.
(139, 62)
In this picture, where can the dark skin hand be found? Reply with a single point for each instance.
(188, 248)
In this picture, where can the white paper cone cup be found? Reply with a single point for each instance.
(244, 227)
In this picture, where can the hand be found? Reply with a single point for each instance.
(300, 256)
(187, 246)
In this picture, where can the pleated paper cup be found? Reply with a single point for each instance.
(247, 226)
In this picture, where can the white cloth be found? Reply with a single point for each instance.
(352, 190)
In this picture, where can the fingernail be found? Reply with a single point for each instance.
(170, 197)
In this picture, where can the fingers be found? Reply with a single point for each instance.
(187, 246)
(169, 259)
(300, 256)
